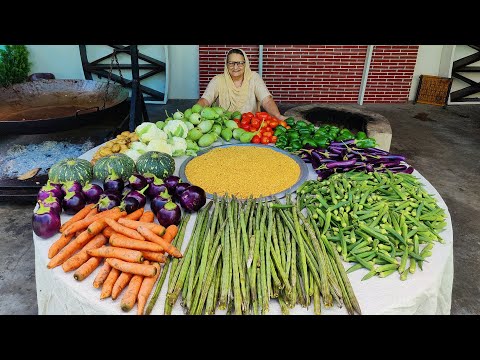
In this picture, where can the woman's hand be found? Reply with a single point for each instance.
(282, 117)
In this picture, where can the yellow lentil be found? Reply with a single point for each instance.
(243, 171)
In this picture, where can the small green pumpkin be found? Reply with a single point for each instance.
(71, 169)
(121, 164)
(155, 162)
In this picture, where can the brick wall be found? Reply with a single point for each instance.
(391, 73)
(322, 73)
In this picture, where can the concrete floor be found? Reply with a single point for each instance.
(442, 144)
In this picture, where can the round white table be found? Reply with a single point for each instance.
(425, 292)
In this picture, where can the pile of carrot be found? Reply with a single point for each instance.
(132, 246)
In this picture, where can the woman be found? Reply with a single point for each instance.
(239, 88)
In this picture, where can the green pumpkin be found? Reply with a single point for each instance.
(71, 169)
(155, 162)
(121, 164)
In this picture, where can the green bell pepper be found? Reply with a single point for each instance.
(279, 130)
(366, 143)
(310, 141)
(360, 135)
(290, 121)
(321, 141)
(293, 135)
(296, 145)
(301, 124)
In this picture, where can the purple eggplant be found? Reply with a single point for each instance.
(171, 182)
(156, 187)
(149, 177)
(130, 204)
(52, 202)
(139, 195)
(342, 143)
(125, 192)
(158, 201)
(323, 174)
(108, 201)
(336, 164)
(169, 214)
(137, 181)
(179, 189)
(113, 183)
(73, 202)
(45, 222)
(73, 185)
(92, 193)
(193, 198)
(50, 188)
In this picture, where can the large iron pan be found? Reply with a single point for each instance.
(46, 106)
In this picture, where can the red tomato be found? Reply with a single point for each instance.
(273, 123)
(267, 133)
(268, 128)
(247, 115)
(245, 121)
(256, 122)
(283, 123)
(245, 127)
(262, 115)
(274, 139)
(265, 140)
(256, 139)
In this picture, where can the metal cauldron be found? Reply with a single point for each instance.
(46, 106)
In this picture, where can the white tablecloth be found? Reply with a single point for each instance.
(425, 292)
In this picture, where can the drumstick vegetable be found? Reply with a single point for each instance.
(87, 268)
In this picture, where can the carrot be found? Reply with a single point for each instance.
(78, 216)
(120, 284)
(170, 233)
(128, 243)
(156, 228)
(124, 230)
(109, 282)
(154, 256)
(149, 235)
(81, 257)
(132, 268)
(102, 275)
(118, 253)
(59, 245)
(137, 214)
(148, 216)
(78, 243)
(92, 212)
(146, 289)
(87, 268)
(83, 224)
(108, 231)
(130, 296)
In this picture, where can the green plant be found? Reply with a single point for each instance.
(14, 64)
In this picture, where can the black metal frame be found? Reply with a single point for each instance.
(461, 66)
(138, 110)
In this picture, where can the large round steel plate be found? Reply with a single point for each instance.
(301, 179)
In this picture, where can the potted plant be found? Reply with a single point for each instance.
(14, 65)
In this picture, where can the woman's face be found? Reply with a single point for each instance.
(236, 65)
